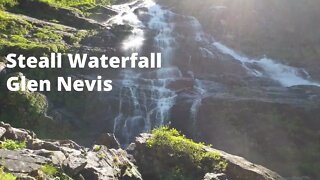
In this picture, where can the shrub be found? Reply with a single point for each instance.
(6, 176)
(187, 153)
(13, 145)
(18, 39)
(7, 3)
(49, 170)
(54, 172)
(24, 109)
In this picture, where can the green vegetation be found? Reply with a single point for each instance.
(68, 3)
(54, 173)
(96, 148)
(7, 3)
(12, 145)
(40, 35)
(18, 35)
(6, 176)
(75, 3)
(190, 157)
(75, 39)
(49, 170)
(60, 3)
(101, 155)
(28, 108)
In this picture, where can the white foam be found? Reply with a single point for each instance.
(286, 75)
(127, 16)
(145, 96)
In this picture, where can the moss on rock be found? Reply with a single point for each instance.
(182, 158)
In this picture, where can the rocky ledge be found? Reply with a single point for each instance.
(24, 156)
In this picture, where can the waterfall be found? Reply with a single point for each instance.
(145, 99)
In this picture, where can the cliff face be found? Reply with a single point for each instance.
(27, 157)
(284, 30)
(273, 126)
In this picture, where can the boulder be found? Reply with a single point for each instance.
(57, 157)
(21, 161)
(108, 140)
(104, 163)
(237, 168)
(240, 168)
(16, 134)
(36, 144)
(2, 131)
(74, 164)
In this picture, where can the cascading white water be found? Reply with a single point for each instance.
(285, 75)
(127, 16)
(201, 93)
(160, 22)
(144, 99)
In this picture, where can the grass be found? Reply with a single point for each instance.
(18, 35)
(49, 170)
(69, 3)
(187, 152)
(54, 173)
(6, 176)
(12, 145)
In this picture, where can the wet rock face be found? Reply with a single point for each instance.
(108, 140)
(255, 30)
(266, 132)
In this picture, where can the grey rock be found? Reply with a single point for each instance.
(57, 157)
(2, 131)
(238, 168)
(21, 161)
(74, 164)
(21, 176)
(107, 163)
(108, 140)
(213, 176)
(16, 134)
(37, 144)
(70, 144)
